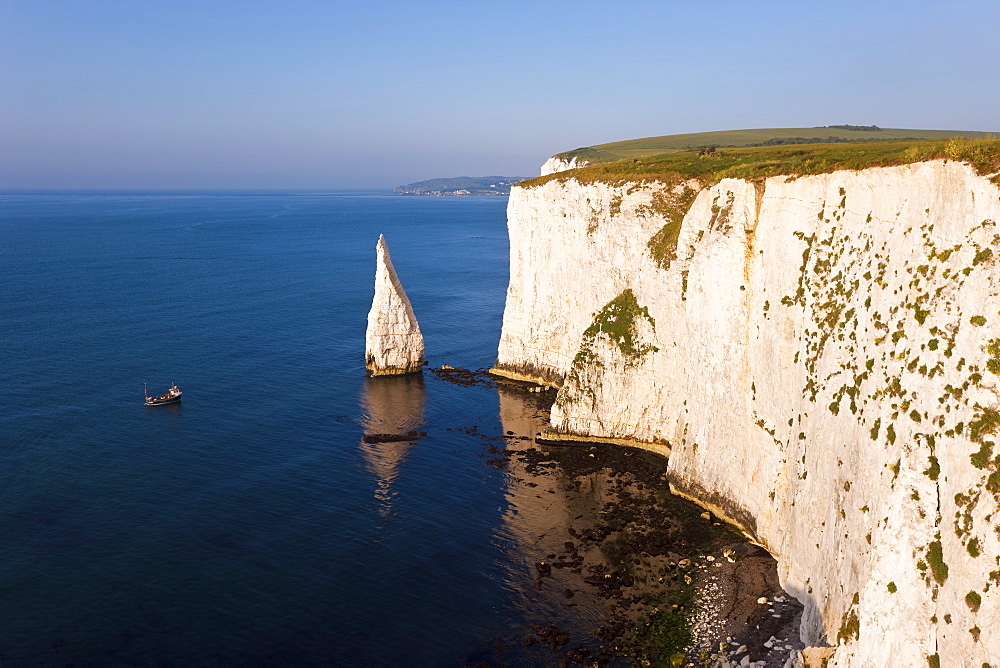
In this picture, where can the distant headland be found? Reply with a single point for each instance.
(462, 185)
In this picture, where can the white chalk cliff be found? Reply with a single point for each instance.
(393, 343)
(819, 357)
(557, 164)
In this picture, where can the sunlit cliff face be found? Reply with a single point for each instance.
(819, 355)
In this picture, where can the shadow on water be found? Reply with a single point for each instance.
(173, 410)
(392, 412)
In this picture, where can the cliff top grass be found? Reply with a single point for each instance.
(637, 148)
(753, 163)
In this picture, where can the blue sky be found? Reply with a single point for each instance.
(309, 94)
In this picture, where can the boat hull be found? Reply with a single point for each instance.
(162, 400)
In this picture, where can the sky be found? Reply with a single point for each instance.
(310, 94)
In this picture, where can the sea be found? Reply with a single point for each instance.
(252, 524)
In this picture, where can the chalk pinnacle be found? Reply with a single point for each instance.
(393, 343)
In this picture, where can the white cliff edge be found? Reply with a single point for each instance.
(393, 343)
(819, 357)
(557, 164)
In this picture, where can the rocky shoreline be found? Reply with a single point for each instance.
(662, 581)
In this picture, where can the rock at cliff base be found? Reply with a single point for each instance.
(393, 342)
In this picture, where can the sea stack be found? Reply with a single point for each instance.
(393, 343)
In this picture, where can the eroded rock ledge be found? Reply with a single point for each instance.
(822, 356)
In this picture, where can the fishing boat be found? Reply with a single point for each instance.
(172, 396)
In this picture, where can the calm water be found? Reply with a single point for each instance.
(250, 524)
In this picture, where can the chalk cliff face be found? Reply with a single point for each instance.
(820, 358)
(555, 164)
(393, 342)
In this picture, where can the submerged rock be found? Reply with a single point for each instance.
(393, 342)
(393, 438)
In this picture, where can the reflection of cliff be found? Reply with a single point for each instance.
(535, 511)
(391, 405)
(543, 505)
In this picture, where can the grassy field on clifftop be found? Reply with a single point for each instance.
(637, 148)
(754, 163)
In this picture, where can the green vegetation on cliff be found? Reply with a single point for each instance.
(636, 148)
(617, 320)
(672, 207)
(799, 160)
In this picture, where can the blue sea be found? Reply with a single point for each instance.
(251, 524)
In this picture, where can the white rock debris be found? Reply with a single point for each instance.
(819, 356)
(393, 343)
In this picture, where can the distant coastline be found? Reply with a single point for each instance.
(460, 186)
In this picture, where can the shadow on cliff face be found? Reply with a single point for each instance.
(612, 569)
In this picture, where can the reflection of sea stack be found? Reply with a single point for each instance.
(391, 406)
(393, 343)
